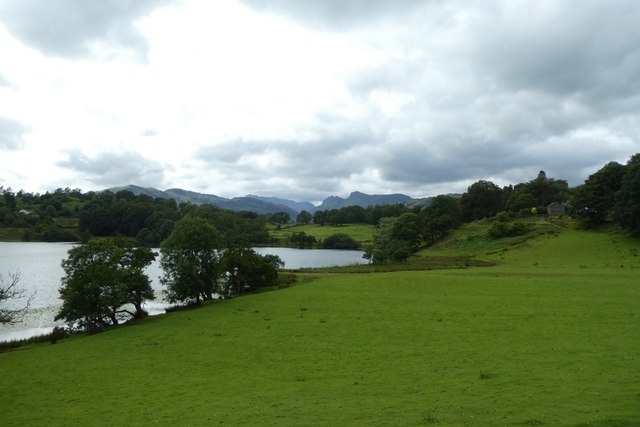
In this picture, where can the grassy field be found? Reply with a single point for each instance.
(362, 233)
(548, 336)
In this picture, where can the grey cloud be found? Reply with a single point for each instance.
(3, 81)
(328, 154)
(336, 14)
(504, 94)
(113, 169)
(69, 27)
(306, 169)
(11, 133)
(591, 51)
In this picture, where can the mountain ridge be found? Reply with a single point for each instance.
(266, 205)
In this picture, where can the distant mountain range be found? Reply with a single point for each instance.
(265, 205)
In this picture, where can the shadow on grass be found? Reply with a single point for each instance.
(417, 263)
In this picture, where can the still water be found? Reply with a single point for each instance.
(40, 272)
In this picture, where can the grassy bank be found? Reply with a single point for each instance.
(548, 336)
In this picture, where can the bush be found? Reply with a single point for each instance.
(340, 241)
(503, 227)
(302, 240)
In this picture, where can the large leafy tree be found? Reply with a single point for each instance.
(302, 240)
(340, 241)
(191, 260)
(247, 270)
(235, 228)
(304, 217)
(389, 244)
(627, 210)
(537, 193)
(595, 200)
(483, 199)
(101, 279)
(442, 215)
(280, 218)
(405, 228)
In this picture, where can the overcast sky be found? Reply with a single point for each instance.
(306, 99)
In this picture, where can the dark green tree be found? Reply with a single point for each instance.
(377, 212)
(101, 278)
(595, 200)
(191, 260)
(483, 199)
(627, 208)
(10, 199)
(354, 215)
(280, 218)
(320, 217)
(236, 229)
(340, 241)
(387, 246)
(537, 193)
(302, 240)
(441, 216)
(248, 270)
(138, 286)
(406, 228)
(304, 217)
(336, 217)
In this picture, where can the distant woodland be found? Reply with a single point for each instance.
(609, 195)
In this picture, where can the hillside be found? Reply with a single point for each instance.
(549, 336)
(296, 206)
(237, 204)
(357, 198)
(553, 244)
(262, 205)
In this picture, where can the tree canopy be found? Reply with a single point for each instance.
(627, 207)
(191, 261)
(340, 241)
(248, 270)
(595, 200)
(101, 278)
(483, 199)
(440, 217)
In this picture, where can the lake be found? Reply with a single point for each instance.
(40, 274)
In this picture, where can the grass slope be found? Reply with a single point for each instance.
(551, 336)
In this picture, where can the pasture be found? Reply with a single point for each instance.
(548, 336)
(362, 233)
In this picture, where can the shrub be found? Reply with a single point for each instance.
(340, 241)
(302, 240)
(504, 227)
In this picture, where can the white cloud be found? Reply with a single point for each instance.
(304, 100)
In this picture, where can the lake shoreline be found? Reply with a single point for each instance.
(41, 279)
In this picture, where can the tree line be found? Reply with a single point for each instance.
(104, 281)
(204, 251)
(612, 194)
(71, 215)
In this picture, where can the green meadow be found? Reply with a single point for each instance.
(362, 233)
(548, 335)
